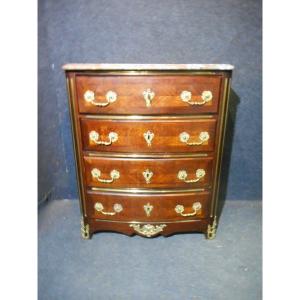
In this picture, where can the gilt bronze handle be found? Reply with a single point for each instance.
(186, 96)
(182, 175)
(203, 137)
(110, 97)
(94, 137)
(114, 174)
(180, 209)
(117, 209)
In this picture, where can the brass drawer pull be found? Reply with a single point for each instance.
(203, 137)
(89, 96)
(148, 136)
(117, 209)
(148, 230)
(114, 174)
(182, 175)
(94, 137)
(180, 209)
(186, 96)
(148, 96)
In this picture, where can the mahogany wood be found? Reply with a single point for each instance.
(131, 135)
(133, 205)
(167, 117)
(130, 99)
(165, 171)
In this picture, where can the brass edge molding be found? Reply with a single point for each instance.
(134, 155)
(147, 191)
(78, 153)
(185, 157)
(149, 117)
(70, 88)
(219, 149)
(222, 145)
(152, 222)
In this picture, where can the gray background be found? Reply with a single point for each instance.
(164, 31)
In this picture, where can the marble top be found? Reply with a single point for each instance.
(220, 67)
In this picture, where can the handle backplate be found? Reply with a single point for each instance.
(100, 208)
(110, 97)
(182, 175)
(180, 209)
(114, 174)
(203, 137)
(94, 137)
(206, 96)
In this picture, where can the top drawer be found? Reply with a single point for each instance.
(148, 94)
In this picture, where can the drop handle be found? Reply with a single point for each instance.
(100, 208)
(180, 209)
(110, 97)
(182, 175)
(114, 174)
(94, 138)
(184, 137)
(206, 96)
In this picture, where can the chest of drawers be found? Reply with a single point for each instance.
(148, 143)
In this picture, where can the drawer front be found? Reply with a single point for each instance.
(148, 207)
(148, 173)
(180, 135)
(145, 94)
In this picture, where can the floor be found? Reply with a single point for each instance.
(114, 266)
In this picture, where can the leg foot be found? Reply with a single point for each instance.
(85, 230)
(211, 230)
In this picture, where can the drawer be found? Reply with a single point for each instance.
(176, 135)
(148, 94)
(193, 172)
(148, 207)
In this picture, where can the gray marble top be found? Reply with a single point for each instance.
(217, 67)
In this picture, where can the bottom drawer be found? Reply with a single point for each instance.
(148, 207)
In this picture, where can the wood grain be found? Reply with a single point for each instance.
(130, 99)
(164, 170)
(131, 135)
(133, 205)
(130, 118)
